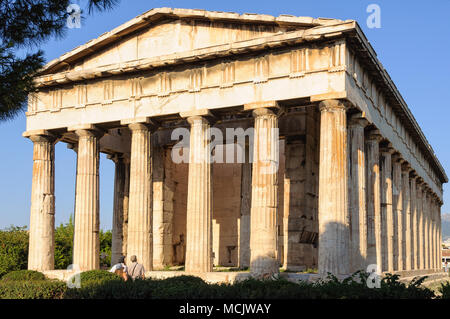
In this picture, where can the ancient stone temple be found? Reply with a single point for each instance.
(356, 182)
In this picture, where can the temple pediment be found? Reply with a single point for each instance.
(164, 31)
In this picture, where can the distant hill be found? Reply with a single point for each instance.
(445, 220)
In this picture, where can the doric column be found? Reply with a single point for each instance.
(386, 207)
(118, 208)
(263, 216)
(415, 222)
(126, 196)
(397, 196)
(333, 189)
(199, 202)
(357, 193)
(432, 243)
(426, 216)
(162, 209)
(139, 241)
(406, 169)
(86, 247)
(439, 234)
(421, 229)
(374, 242)
(246, 202)
(42, 212)
(298, 224)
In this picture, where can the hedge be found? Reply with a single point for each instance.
(43, 289)
(194, 288)
(27, 275)
(103, 285)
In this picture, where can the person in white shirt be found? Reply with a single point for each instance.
(120, 268)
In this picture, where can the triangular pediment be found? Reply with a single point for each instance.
(164, 31)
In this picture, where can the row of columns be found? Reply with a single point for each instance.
(133, 193)
(392, 219)
(372, 208)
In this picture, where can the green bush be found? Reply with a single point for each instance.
(99, 284)
(100, 275)
(64, 244)
(13, 249)
(32, 289)
(23, 275)
(183, 287)
(444, 289)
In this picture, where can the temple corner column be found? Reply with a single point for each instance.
(334, 220)
(42, 211)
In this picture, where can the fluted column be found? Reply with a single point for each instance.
(426, 228)
(439, 235)
(374, 236)
(386, 207)
(246, 202)
(118, 208)
(432, 239)
(357, 193)
(199, 202)
(139, 241)
(397, 196)
(414, 223)
(86, 249)
(162, 208)
(333, 209)
(421, 228)
(263, 216)
(126, 195)
(407, 216)
(42, 213)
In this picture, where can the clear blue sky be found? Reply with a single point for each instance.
(413, 44)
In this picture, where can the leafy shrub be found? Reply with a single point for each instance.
(99, 284)
(23, 275)
(64, 244)
(444, 289)
(183, 287)
(32, 289)
(97, 275)
(13, 249)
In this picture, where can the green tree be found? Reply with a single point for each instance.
(64, 244)
(105, 247)
(13, 249)
(27, 24)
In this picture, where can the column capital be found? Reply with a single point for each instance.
(406, 167)
(333, 105)
(140, 123)
(197, 119)
(83, 130)
(39, 136)
(387, 148)
(262, 105)
(73, 147)
(133, 127)
(116, 157)
(260, 112)
(357, 119)
(397, 157)
(374, 135)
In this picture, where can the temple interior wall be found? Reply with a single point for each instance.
(297, 224)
